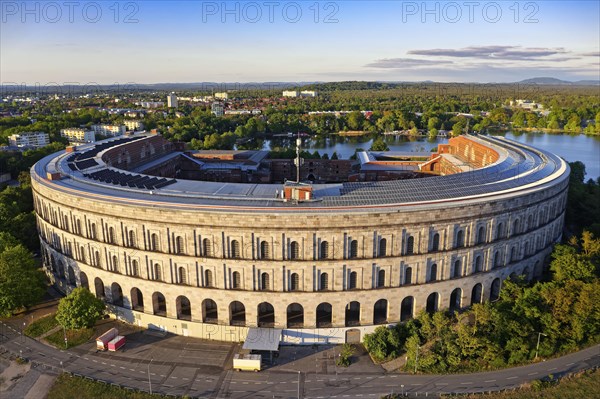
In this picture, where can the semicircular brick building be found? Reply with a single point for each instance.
(323, 262)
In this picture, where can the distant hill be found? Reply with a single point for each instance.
(554, 81)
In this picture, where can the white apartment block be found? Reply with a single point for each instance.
(172, 100)
(308, 93)
(152, 104)
(134, 125)
(290, 93)
(109, 130)
(78, 135)
(222, 96)
(29, 139)
(217, 109)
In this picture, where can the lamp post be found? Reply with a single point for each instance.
(149, 381)
(537, 347)
(402, 387)
(298, 384)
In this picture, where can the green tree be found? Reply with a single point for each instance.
(21, 283)
(79, 309)
(379, 145)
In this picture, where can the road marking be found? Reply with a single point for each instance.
(131, 369)
(553, 368)
(356, 378)
(511, 378)
(570, 364)
(416, 385)
(534, 373)
(466, 383)
(441, 383)
(121, 367)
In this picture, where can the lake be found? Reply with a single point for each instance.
(571, 147)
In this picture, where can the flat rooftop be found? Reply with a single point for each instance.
(519, 167)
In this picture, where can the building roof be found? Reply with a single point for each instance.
(518, 168)
(263, 339)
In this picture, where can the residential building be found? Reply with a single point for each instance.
(290, 93)
(222, 96)
(109, 130)
(78, 135)
(135, 125)
(29, 139)
(217, 109)
(172, 100)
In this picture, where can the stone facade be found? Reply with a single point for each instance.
(97, 243)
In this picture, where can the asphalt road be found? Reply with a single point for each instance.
(183, 378)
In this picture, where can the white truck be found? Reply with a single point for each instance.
(247, 362)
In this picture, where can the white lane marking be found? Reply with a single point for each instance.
(511, 378)
(534, 373)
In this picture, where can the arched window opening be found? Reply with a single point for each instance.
(324, 250)
(207, 248)
(352, 281)
(324, 315)
(381, 278)
(154, 244)
(294, 282)
(380, 312)
(159, 304)
(184, 308)
(266, 315)
(495, 291)
(435, 242)
(237, 281)
(208, 278)
(294, 250)
(157, 272)
(179, 245)
(407, 308)
(295, 316)
(132, 240)
(410, 245)
(210, 313)
(353, 314)
(456, 270)
(137, 300)
(408, 276)
(433, 272)
(455, 300)
(182, 274)
(117, 294)
(460, 239)
(324, 282)
(353, 249)
(382, 247)
(477, 294)
(237, 314)
(265, 282)
(481, 235)
(432, 303)
(264, 250)
(236, 252)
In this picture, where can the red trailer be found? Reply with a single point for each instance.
(103, 340)
(116, 343)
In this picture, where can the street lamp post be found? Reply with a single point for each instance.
(149, 381)
(402, 387)
(298, 384)
(65, 335)
(537, 347)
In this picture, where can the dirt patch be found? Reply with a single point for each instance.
(13, 373)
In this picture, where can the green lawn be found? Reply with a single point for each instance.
(581, 386)
(69, 387)
(74, 337)
(41, 326)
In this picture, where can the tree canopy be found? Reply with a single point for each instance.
(21, 283)
(79, 309)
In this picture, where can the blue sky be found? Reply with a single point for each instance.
(194, 41)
